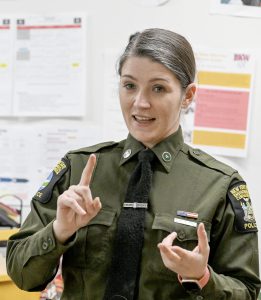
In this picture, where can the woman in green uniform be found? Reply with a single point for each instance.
(196, 236)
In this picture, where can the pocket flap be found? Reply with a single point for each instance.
(184, 232)
(104, 217)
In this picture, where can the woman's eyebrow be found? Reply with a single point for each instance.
(128, 76)
(151, 80)
(158, 78)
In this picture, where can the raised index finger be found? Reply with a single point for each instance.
(88, 170)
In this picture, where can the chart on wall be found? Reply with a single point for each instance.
(43, 65)
(218, 120)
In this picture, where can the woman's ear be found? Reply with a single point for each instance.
(189, 95)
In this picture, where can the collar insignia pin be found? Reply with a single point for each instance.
(127, 153)
(166, 156)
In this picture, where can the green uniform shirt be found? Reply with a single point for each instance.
(184, 180)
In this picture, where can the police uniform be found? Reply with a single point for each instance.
(188, 187)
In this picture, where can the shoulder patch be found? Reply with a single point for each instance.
(240, 200)
(94, 148)
(45, 191)
(210, 162)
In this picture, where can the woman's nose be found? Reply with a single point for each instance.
(141, 100)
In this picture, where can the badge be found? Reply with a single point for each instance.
(241, 204)
(45, 191)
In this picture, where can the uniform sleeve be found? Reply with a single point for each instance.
(233, 261)
(33, 254)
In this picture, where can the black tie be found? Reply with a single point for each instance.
(123, 276)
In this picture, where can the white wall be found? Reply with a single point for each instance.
(112, 21)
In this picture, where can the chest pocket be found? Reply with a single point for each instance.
(186, 233)
(163, 225)
(99, 242)
(93, 242)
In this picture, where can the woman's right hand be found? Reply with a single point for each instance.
(76, 207)
(188, 264)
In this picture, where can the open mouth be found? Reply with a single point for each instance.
(143, 119)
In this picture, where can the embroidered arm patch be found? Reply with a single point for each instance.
(45, 191)
(240, 200)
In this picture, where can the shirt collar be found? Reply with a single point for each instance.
(165, 151)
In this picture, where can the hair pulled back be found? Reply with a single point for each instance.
(166, 47)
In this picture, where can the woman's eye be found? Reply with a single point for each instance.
(129, 86)
(158, 89)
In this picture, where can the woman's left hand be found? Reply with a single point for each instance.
(188, 264)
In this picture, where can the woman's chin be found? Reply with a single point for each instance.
(144, 138)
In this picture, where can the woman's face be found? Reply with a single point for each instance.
(151, 99)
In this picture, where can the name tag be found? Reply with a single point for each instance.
(185, 222)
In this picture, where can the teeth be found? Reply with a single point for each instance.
(142, 118)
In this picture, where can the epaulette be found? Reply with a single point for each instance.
(93, 148)
(209, 161)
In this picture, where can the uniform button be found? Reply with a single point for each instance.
(200, 298)
(127, 153)
(181, 235)
(44, 245)
(50, 241)
(196, 151)
(166, 156)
